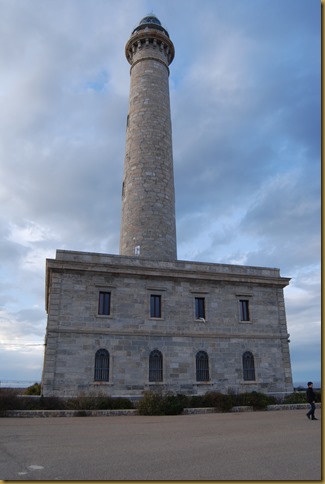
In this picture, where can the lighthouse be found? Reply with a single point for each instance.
(120, 325)
(148, 227)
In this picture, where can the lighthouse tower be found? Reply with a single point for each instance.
(120, 325)
(148, 197)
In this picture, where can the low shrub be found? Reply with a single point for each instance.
(7, 402)
(296, 397)
(39, 403)
(150, 404)
(257, 400)
(11, 401)
(155, 404)
(197, 401)
(83, 403)
(33, 390)
(217, 400)
(121, 403)
(173, 405)
(98, 403)
(300, 397)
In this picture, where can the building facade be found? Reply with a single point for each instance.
(122, 324)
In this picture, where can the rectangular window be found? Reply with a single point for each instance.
(202, 366)
(155, 366)
(248, 366)
(199, 307)
(155, 306)
(244, 310)
(104, 303)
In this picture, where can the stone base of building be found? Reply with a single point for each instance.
(130, 332)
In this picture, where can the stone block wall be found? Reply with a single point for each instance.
(75, 331)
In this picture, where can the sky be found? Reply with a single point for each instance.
(245, 107)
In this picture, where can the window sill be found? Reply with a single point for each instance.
(103, 316)
(102, 383)
(203, 383)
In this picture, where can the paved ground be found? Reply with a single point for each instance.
(278, 445)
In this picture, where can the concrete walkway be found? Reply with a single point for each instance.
(230, 446)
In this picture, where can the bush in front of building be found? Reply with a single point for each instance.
(150, 404)
(156, 404)
(300, 397)
(257, 400)
(98, 403)
(39, 403)
(12, 401)
(217, 400)
(173, 404)
(33, 389)
(220, 401)
(7, 401)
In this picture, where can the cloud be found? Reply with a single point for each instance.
(245, 104)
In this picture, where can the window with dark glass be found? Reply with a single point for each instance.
(202, 366)
(155, 306)
(155, 366)
(199, 307)
(248, 366)
(244, 310)
(104, 303)
(101, 365)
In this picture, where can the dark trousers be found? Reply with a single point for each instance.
(312, 410)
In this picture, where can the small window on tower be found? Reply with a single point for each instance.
(155, 306)
(202, 366)
(248, 366)
(104, 303)
(101, 365)
(155, 366)
(244, 310)
(199, 308)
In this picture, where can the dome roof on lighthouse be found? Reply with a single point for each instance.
(151, 22)
(150, 19)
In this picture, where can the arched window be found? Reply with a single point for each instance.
(102, 365)
(248, 366)
(155, 366)
(202, 366)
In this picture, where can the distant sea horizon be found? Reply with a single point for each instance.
(316, 384)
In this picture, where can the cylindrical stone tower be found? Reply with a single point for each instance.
(148, 197)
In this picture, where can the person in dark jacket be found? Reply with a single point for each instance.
(310, 394)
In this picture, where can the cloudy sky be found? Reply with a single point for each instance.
(245, 101)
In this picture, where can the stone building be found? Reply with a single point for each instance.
(122, 324)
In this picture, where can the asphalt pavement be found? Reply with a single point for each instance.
(274, 445)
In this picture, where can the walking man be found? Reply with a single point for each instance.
(310, 394)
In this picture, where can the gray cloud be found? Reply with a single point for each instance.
(246, 128)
